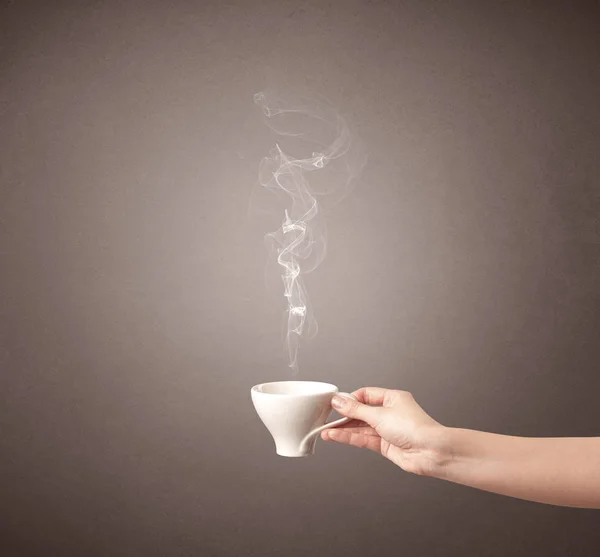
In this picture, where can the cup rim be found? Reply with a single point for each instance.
(330, 390)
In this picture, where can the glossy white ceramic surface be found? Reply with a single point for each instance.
(295, 412)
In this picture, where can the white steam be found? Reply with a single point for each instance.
(300, 242)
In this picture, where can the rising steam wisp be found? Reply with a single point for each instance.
(300, 241)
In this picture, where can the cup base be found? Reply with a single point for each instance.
(295, 454)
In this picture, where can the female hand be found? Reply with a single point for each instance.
(557, 471)
(390, 423)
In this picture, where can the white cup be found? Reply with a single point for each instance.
(295, 412)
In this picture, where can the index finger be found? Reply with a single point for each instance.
(373, 396)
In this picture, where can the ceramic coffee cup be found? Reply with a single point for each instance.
(295, 412)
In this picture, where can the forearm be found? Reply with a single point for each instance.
(557, 471)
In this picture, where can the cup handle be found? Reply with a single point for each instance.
(335, 423)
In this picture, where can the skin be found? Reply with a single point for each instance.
(556, 471)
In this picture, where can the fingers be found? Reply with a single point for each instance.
(353, 409)
(371, 395)
(362, 429)
(354, 438)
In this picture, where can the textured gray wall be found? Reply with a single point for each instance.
(134, 318)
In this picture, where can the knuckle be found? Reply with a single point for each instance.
(398, 396)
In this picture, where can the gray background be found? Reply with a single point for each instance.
(134, 318)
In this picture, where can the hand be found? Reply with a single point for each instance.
(390, 423)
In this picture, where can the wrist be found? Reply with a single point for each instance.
(436, 451)
(457, 451)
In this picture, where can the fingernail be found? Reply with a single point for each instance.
(338, 401)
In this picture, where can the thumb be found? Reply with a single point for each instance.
(351, 408)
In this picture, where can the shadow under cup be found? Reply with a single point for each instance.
(295, 412)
